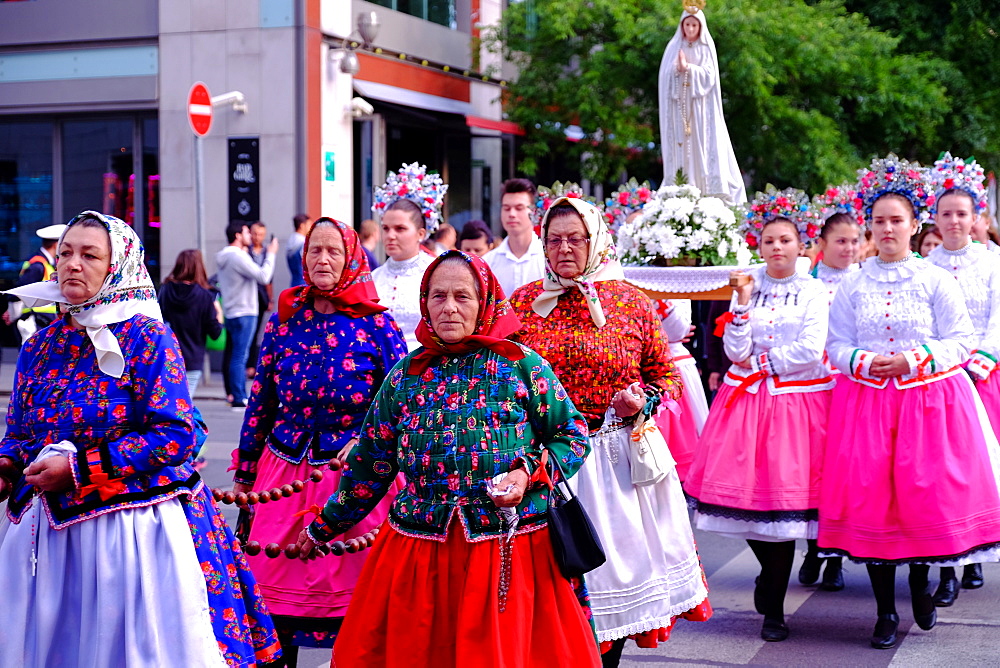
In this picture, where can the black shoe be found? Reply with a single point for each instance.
(809, 571)
(773, 630)
(884, 635)
(946, 593)
(972, 576)
(833, 575)
(758, 597)
(924, 612)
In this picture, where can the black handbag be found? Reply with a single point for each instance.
(574, 540)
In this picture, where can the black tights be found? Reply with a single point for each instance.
(884, 584)
(813, 551)
(775, 569)
(613, 656)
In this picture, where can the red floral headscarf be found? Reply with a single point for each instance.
(353, 295)
(496, 319)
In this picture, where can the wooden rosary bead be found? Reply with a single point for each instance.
(275, 493)
(241, 498)
(323, 549)
(228, 497)
(253, 498)
(316, 475)
(352, 545)
(272, 550)
(291, 550)
(217, 495)
(362, 541)
(252, 548)
(264, 496)
(337, 548)
(298, 485)
(287, 490)
(335, 464)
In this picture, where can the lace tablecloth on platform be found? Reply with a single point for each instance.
(679, 279)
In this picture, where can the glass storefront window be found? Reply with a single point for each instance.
(25, 193)
(437, 11)
(96, 167)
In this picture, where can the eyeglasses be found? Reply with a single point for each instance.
(555, 243)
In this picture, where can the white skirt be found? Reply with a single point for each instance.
(694, 393)
(123, 589)
(652, 573)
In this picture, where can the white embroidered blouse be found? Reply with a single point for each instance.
(398, 285)
(977, 272)
(831, 277)
(910, 307)
(781, 333)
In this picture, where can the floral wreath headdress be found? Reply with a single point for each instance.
(625, 201)
(951, 173)
(893, 174)
(839, 199)
(546, 196)
(789, 203)
(415, 183)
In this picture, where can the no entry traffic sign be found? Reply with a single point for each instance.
(200, 109)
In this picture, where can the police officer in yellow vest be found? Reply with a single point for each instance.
(39, 267)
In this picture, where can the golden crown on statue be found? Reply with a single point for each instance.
(693, 6)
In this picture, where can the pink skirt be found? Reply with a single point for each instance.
(763, 453)
(989, 392)
(907, 475)
(681, 430)
(318, 588)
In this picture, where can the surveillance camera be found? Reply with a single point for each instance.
(361, 107)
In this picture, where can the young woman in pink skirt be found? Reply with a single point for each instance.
(755, 474)
(908, 478)
(960, 197)
(840, 244)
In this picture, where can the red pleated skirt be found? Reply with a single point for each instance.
(425, 604)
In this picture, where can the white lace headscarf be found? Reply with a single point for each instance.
(602, 263)
(127, 291)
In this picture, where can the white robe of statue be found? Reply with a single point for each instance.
(693, 131)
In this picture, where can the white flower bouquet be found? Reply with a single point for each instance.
(680, 227)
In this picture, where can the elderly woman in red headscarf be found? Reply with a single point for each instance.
(464, 573)
(324, 355)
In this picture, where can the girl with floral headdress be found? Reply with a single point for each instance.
(959, 199)
(604, 341)
(113, 551)
(756, 469)
(409, 205)
(909, 479)
(839, 244)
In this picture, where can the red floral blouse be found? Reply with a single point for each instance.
(594, 363)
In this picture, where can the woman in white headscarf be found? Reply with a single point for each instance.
(693, 133)
(112, 552)
(604, 341)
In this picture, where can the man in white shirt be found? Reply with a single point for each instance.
(520, 258)
(238, 277)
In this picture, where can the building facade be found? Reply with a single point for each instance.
(94, 114)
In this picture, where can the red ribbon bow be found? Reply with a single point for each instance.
(103, 485)
(745, 385)
(314, 509)
(722, 321)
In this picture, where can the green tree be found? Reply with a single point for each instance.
(810, 91)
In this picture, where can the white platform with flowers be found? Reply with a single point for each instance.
(677, 226)
(696, 283)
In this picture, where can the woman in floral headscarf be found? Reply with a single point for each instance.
(324, 354)
(111, 543)
(604, 341)
(464, 573)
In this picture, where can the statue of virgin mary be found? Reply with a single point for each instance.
(693, 132)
